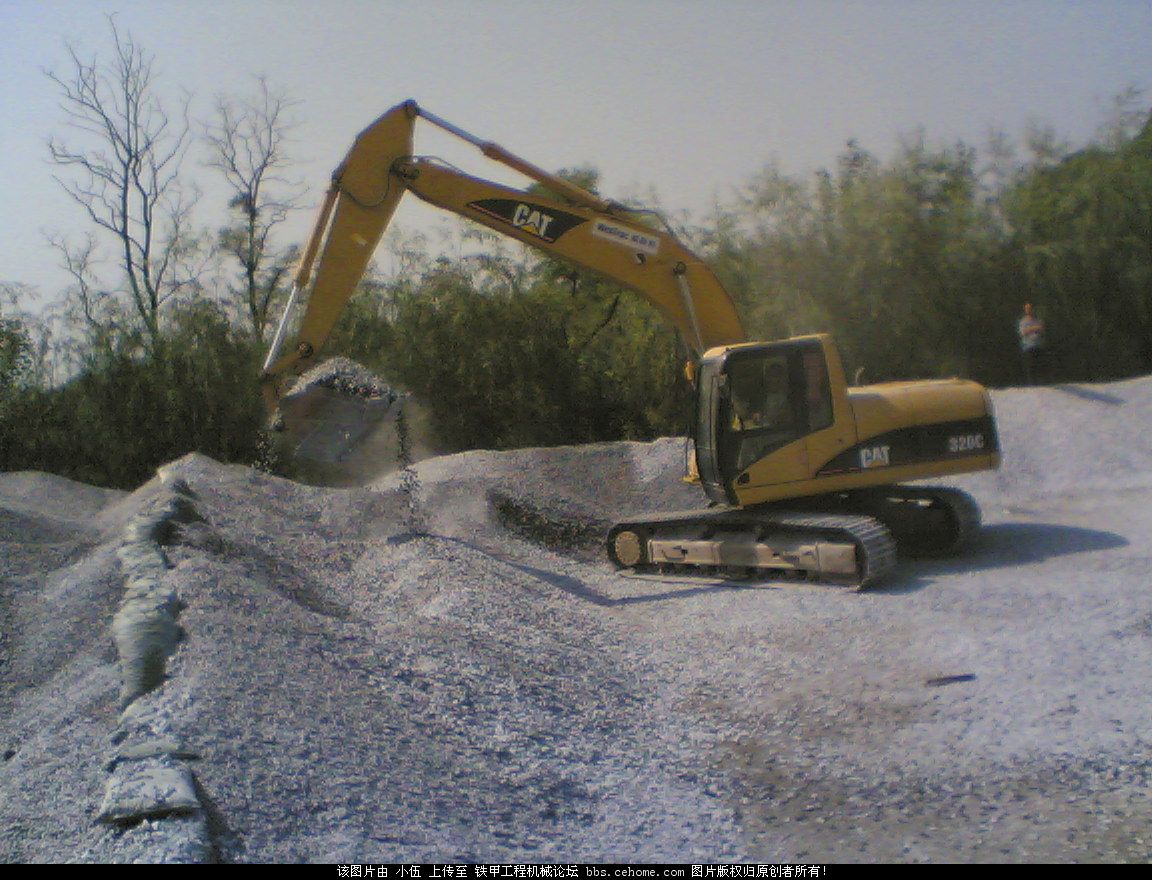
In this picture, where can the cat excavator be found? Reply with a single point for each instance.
(806, 477)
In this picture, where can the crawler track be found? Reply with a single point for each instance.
(833, 548)
(848, 539)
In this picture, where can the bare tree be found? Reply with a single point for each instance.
(247, 145)
(125, 175)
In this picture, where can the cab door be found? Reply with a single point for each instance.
(775, 458)
(765, 419)
(769, 415)
(831, 422)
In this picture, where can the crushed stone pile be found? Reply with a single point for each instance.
(439, 665)
(1063, 439)
(344, 375)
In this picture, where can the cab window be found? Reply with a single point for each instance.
(760, 394)
(817, 390)
(761, 414)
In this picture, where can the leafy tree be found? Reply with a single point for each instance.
(15, 343)
(902, 261)
(1083, 227)
(124, 415)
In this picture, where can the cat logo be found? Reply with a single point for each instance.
(874, 456)
(529, 219)
(546, 224)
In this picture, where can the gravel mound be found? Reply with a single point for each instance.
(440, 666)
(1071, 439)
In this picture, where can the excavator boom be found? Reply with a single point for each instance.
(568, 222)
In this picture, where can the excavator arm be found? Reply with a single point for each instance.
(569, 223)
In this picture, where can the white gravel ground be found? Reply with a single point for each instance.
(463, 678)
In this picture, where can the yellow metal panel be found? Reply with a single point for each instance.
(787, 464)
(367, 198)
(887, 407)
(645, 260)
(826, 444)
(864, 479)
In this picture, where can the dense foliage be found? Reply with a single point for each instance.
(126, 413)
(920, 267)
(503, 354)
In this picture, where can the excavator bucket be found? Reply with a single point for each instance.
(340, 426)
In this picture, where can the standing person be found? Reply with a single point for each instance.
(1031, 330)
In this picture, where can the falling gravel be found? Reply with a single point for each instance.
(440, 666)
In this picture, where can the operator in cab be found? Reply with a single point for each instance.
(760, 396)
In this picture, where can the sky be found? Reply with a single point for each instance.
(685, 99)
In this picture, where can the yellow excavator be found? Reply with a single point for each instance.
(805, 475)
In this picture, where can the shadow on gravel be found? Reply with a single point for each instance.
(582, 591)
(1005, 545)
(1089, 394)
(579, 589)
(1024, 543)
(295, 584)
(224, 839)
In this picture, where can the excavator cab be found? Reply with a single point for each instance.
(758, 402)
